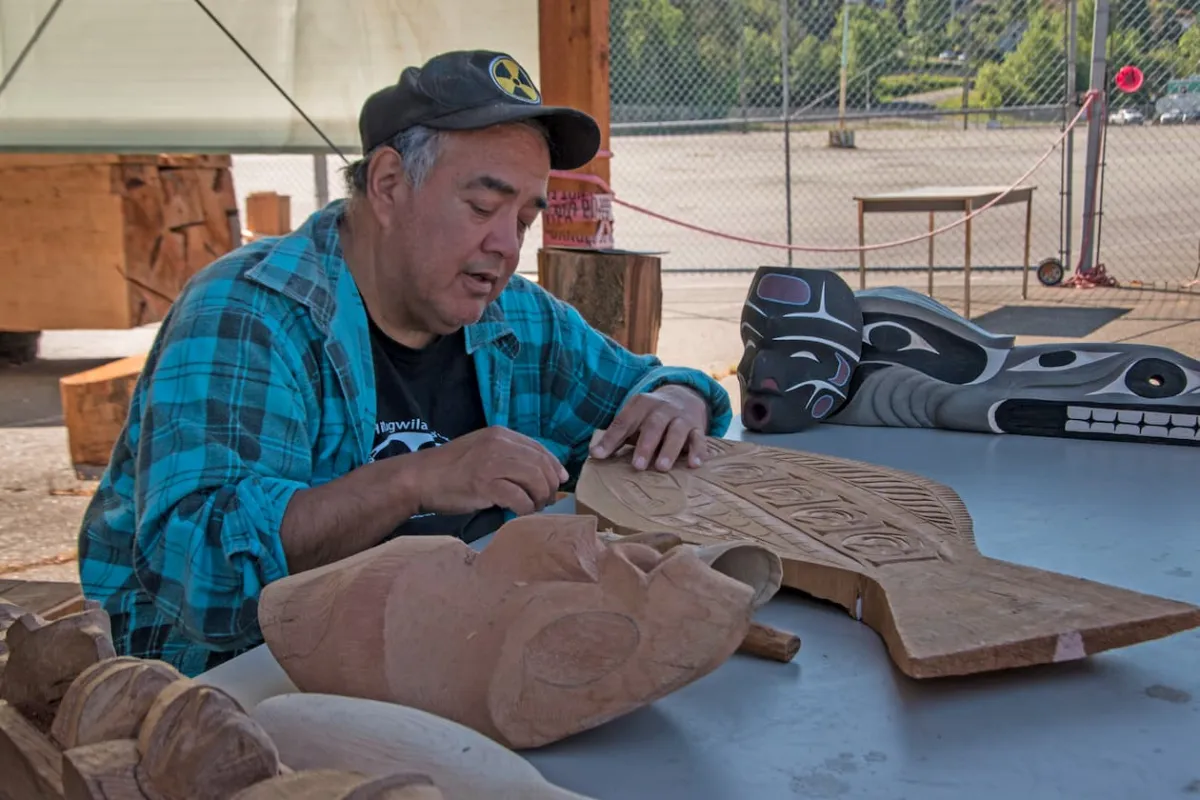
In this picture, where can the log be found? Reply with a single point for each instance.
(95, 405)
(619, 294)
(106, 241)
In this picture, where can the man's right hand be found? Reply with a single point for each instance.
(493, 466)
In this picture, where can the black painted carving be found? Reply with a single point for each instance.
(923, 366)
(802, 334)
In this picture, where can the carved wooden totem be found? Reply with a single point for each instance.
(895, 549)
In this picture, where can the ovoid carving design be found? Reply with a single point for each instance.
(896, 550)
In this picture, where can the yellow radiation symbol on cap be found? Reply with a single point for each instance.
(513, 80)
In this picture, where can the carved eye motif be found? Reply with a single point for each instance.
(892, 337)
(1057, 360)
(1154, 379)
(787, 289)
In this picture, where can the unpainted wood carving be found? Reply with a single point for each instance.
(898, 551)
(44, 657)
(130, 729)
(376, 738)
(548, 631)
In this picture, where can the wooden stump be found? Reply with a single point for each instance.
(619, 294)
(95, 404)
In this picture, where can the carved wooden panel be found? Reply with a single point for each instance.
(898, 551)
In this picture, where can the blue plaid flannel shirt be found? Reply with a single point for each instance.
(260, 382)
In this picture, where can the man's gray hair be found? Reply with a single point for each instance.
(418, 147)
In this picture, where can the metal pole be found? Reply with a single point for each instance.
(37, 34)
(845, 65)
(787, 127)
(1096, 121)
(320, 180)
(1069, 151)
(741, 57)
(966, 76)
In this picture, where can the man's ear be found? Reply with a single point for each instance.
(385, 176)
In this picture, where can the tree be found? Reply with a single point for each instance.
(925, 21)
(1032, 73)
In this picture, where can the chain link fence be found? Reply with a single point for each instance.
(764, 120)
(715, 126)
(1149, 226)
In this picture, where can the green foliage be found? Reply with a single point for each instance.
(891, 87)
(690, 59)
(925, 22)
(1032, 73)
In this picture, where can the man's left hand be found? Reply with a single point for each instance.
(665, 422)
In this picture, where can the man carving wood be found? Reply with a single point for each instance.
(381, 371)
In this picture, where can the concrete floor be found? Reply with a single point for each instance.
(41, 499)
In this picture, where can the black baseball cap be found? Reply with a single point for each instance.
(471, 89)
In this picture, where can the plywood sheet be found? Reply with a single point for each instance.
(896, 550)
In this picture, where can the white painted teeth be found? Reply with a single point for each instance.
(1128, 422)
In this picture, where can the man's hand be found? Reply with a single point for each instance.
(664, 422)
(489, 467)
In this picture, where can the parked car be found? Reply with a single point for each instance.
(1126, 116)
(1173, 116)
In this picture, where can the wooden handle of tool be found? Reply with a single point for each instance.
(772, 643)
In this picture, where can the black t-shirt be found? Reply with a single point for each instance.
(425, 398)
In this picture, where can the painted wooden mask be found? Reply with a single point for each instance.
(802, 337)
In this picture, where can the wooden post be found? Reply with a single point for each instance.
(268, 213)
(573, 52)
(618, 293)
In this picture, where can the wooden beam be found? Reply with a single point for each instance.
(574, 54)
(619, 294)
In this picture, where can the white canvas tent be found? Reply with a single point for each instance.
(160, 75)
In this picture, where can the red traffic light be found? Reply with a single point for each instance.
(1129, 79)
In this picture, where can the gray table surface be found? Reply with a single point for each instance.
(841, 722)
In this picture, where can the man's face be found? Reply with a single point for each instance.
(451, 245)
